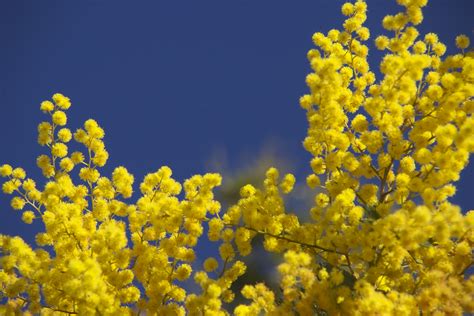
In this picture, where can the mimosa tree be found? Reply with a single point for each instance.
(383, 238)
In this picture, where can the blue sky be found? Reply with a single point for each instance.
(172, 82)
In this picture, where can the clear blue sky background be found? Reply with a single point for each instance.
(170, 81)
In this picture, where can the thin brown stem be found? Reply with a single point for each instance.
(296, 242)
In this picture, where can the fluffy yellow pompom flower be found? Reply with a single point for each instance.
(402, 179)
(355, 214)
(9, 187)
(419, 47)
(17, 203)
(323, 274)
(381, 235)
(306, 102)
(18, 173)
(462, 41)
(62, 101)
(210, 264)
(93, 129)
(28, 217)
(5, 170)
(215, 227)
(347, 9)
(431, 38)
(100, 157)
(123, 181)
(130, 294)
(381, 42)
(439, 49)
(359, 123)
(59, 150)
(287, 183)
(77, 157)
(272, 174)
(313, 181)
(363, 33)
(183, 272)
(226, 251)
(463, 248)
(407, 164)
(423, 156)
(432, 77)
(247, 190)
(59, 118)
(89, 174)
(46, 106)
(44, 133)
(29, 185)
(66, 164)
(321, 200)
(81, 136)
(214, 290)
(318, 165)
(64, 135)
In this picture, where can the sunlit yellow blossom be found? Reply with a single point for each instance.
(123, 181)
(59, 150)
(66, 164)
(61, 101)
(210, 264)
(313, 181)
(18, 173)
(64, 135)
(380, 235)
(47, 106)
(287, 183)
(59, 118)
(183, 272)
(226, 251)
(363, 33)
(77, 157)
(347, 8)
(322, 199)
(29, 185)
(28, 217)
(89, 174)
(93, 129)
(247, 190)
(17, 203)
(318, 165)
(5, 170)
(431, 38)
(462, 41)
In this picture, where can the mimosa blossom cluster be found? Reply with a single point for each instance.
(383, 238)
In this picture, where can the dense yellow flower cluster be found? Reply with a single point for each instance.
(383, 238)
